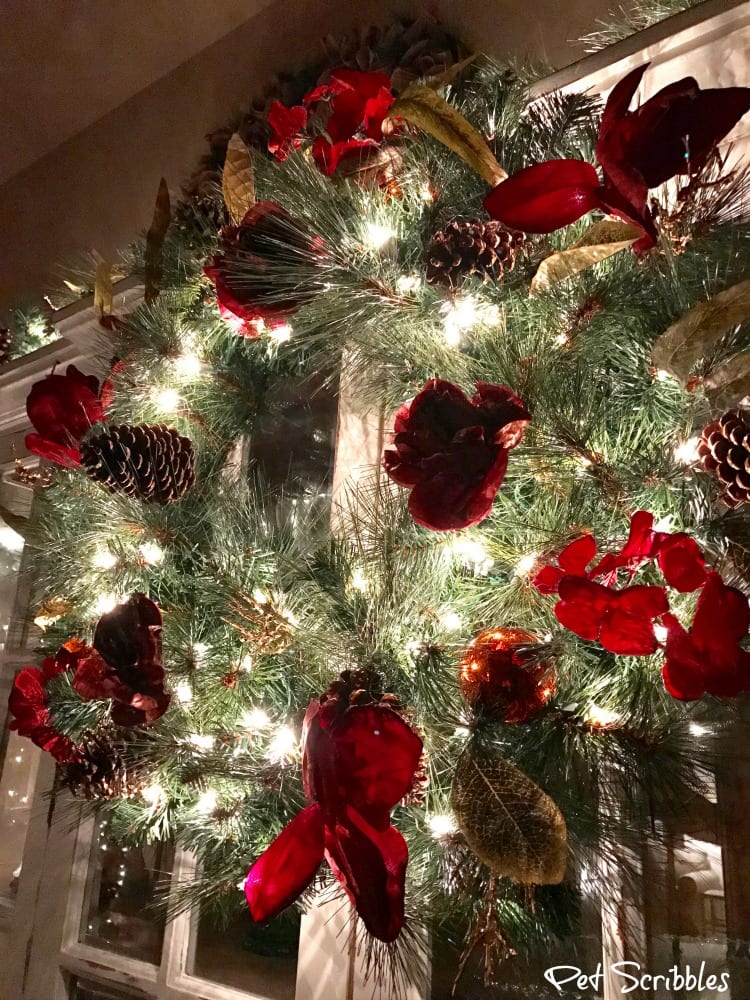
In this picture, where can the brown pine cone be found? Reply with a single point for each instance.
(724, 451)
(473, 247)
(151, 462)
(99, 772)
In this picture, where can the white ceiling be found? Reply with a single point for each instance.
(63, 64)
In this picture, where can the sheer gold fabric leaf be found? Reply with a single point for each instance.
(423, 107)
(508, 821)
(153, 256)
(238, 180)
(601, 240)
(695, 333)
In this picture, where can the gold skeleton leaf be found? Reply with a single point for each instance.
(508, 821)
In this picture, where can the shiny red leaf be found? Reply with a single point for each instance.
(546, 196)
(288, 866)
(371, 865)
(377, 754)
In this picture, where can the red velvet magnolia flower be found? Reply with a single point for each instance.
(260, 269)
(357, 763)
(708, 659)
(672, 133)
(349, 109)
(452, 452)
(62, 408)
(29, 705)
(125, 663)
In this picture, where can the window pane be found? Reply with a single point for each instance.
(685, 908)
(248, 956)
(123, 887)
(18, 758)
(11, 546)
(83, 989)
(292, 444)
(16, 796)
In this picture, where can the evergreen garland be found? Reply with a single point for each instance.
(235, 557)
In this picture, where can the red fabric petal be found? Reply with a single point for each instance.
(286, 126)
(371, 865)
(628, 634)
(27, 701)
(722, 615)
(450, 450)
(649, 602)
(547, 580)
(681, 561)
(289, 865)
(447, 502)
(328, 155)
(63, 407)
(582, 606)
(70, 458)
(546, 196)
(366, 84)
(377, 755)
(575, 557)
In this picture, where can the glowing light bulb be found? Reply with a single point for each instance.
(199, 653)
(426, 193)
(698, 730)
(281, 334)
(207, 801)
(152, 553)
(153, 794)
(561, 340)
(686, 453)
(105, 603)
(201, 741)
(246, 663)
(472, 554)
(451, 621)
(378, 236)
(660, 633)
(255, 718)
(104, 559)
(526, 564)
(407, 284)
(601, 718)
(413, 647)
(282, 747)
(441, 825)
(167, 400)
(662, 376)
(184, 692)
(459, 316)
(359, 581)
(187, 365)
(259, 596)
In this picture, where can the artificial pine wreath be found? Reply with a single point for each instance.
(529, 451)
